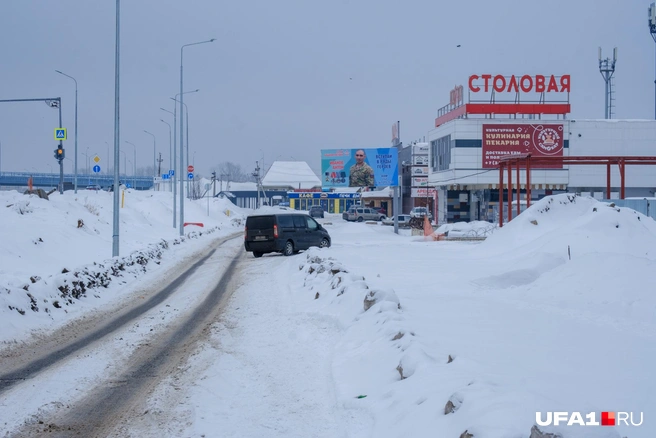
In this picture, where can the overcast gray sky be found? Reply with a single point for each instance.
(288, 78)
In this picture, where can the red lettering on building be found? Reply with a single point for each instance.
(486, 82)
(499, 83)
(474, 89)
(525, 83)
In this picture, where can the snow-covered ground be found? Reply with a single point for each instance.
(381, 334)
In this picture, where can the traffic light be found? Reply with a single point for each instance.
(213, 176)
(59, 153)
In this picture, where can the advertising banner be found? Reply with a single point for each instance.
(422, 192)
(511, 139)
(359, 167)
(420, 171)
(421, 160)
(420, 149)
(420, 182)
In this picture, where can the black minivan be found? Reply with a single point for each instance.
(287, 233)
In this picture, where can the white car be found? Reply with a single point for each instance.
(421, 212)
(404, 220)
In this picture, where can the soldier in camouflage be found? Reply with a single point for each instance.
(361, 174)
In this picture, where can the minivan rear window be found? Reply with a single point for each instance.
(259, 222)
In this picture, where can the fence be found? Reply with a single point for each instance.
(645, 206)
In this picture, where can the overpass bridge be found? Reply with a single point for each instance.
(51, 180)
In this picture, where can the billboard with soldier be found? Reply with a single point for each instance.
(359, 167)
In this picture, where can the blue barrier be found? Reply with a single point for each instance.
(51, 180)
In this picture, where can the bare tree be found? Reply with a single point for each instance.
(229, 171)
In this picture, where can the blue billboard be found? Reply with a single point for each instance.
(359, 167)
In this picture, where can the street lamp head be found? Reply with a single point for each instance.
(59, 72)
(212, 40)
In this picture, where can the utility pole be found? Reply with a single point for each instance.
(213, 183)
(159, 164)
(256, 174)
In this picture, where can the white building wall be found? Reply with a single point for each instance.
(612, 137)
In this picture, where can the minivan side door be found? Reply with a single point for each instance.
(313, 235)
(286, 227)
(302, 235)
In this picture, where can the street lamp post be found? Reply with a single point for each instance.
(71, 77)
(117, 143)
(154, 165)
(125, 166)
(187, 122)
(175, 171)
(170, 147)
(107, 171)
(652, 31)
(86, 158)
(134, 174)
(181, 149)
(126, 172)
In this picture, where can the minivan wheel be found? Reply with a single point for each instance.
(257, 254)
(324, 243)
(289, 248)
(360, 219)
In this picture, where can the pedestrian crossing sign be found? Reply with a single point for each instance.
(60, 133)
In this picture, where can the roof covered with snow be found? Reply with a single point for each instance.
(290, 174)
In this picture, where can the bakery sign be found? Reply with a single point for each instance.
(540, 140)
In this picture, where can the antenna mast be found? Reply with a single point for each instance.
(607, 68)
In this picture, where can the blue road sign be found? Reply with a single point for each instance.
(96, 168)
(190, 175)
(171, 172)
(60, 133)
(165, 176)
(127, 185)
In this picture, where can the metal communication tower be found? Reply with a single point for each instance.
(607, 68)
(652, 31)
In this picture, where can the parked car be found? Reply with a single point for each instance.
(286, 233)
(316, 211)
(421, 212)
(93, 187)
(404, 220)
(360, 214)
